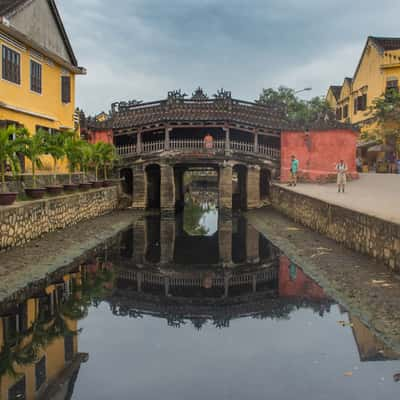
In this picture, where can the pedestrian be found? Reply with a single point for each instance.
(294, 168)
(359, 164)
(208, 141)
(392, 162)
(341, 169)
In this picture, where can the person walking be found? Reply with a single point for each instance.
(341, 169)
(208, 141)
(294, 168)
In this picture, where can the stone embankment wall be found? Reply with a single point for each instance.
(25, 221)
(360, 232)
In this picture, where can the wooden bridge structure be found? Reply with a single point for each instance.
(158, 141)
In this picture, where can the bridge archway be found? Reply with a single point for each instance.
(239, 187)
(153, 179)
(126, 174)
(265, 179)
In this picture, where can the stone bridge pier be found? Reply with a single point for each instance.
(160, 185)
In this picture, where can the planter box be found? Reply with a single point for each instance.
(35, 193)
(7, 198)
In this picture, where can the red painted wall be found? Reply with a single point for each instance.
(318, 153)
(297, 283)
(105, 136)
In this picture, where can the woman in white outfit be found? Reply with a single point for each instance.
(341, 169)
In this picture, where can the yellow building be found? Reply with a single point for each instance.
(377, 70)
(53, 371)
(38, 68)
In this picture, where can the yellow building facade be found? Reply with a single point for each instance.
(57, 358)
(38, 69)
(377, 70)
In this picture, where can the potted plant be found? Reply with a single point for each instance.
(72, 148)
(11, 142)
(86, 157)
(55, 149)
(109, 155)
(97, 160)
(33, 149)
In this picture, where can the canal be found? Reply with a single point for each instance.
(192, 307)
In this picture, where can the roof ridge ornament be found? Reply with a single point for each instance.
(199, 95)
(121, 106)
(176, 96)
(223, 94)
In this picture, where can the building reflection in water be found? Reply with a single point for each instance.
(39, 356)
(162, 267)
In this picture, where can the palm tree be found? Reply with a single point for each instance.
(55, 148)
(35, 147)
(86, 158)
(11, 142)
(73, 149)
(109, 155)
(97, 158)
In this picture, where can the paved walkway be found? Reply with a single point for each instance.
(373, 194)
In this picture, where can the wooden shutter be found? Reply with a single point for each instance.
(66, 89)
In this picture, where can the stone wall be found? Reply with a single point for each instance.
(360, 232)
(25, 221)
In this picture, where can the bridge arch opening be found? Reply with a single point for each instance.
(265, 179)
(239, 187)
(126, 174)
(153, 179)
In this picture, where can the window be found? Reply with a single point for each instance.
(36, 77)
(51, 131)
(18, 390)
(69, 348)
(392, 84)
(40, 372)
(66, 89)
(339, 113)
(346, 111)
(356, 105)
(11, 65)
(362, 102)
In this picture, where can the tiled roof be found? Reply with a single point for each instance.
(8, 6)
(336, 91)
(387, 43)
(188, 111)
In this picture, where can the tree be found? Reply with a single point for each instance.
(97, 157)
(72, 148)
(35, 147)
(108, 157)
(12, 140)
(293, 109)
(86, 158)
(55, 148)
(385, 110)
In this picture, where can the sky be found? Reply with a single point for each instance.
(141, 49)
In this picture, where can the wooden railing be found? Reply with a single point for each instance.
(263, 151)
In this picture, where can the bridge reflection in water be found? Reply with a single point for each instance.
(196, 270)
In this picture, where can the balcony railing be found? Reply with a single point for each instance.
(190, 145)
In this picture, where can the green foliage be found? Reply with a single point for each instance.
(293, 109)
(73, 150)
(55, 147)
(86, 157)
(35, 147)
(386, 111)
(12, 141)
(104, 155)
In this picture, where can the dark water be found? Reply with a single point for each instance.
(190, 308)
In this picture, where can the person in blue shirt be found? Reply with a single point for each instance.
(294, 168)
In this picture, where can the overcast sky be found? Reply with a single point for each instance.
(141, 49)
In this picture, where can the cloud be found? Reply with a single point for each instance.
(140, 49)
